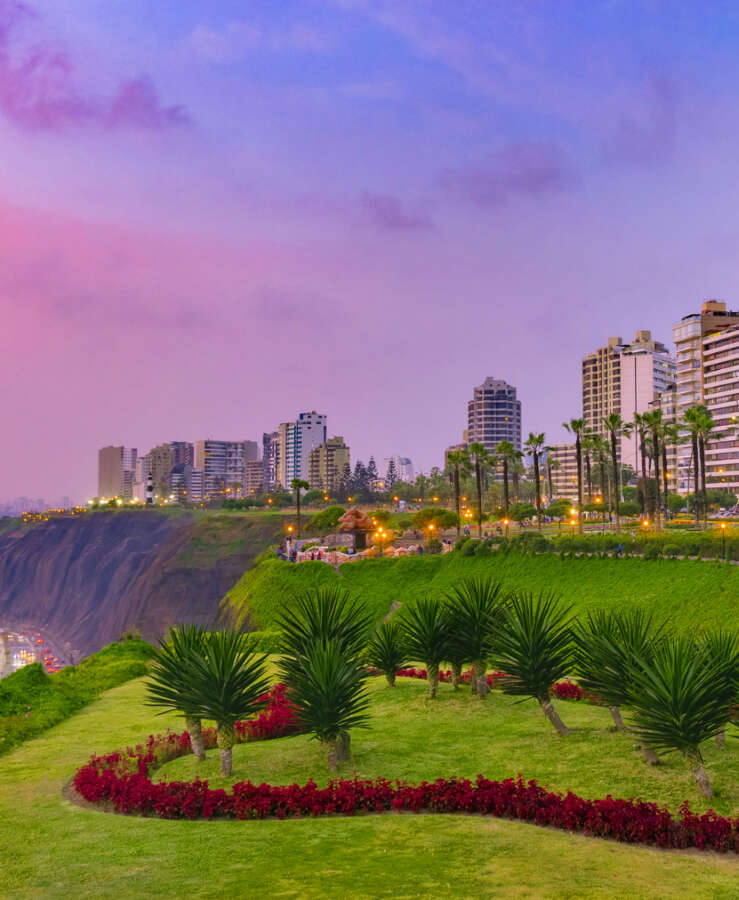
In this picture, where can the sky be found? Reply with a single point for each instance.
(216, 216)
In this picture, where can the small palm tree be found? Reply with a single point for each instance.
(329, 691)
(679, 700)
(604, 648)
(168, 684)
(386, 650)
(533, 646)
(534, 446)
(297, 484)
(225, 684)
(474, 608)
(722, 648)
(577, 428)
(324, 614)
(427, 632)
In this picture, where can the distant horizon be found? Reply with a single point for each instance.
(221, 217)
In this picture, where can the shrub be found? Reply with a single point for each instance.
(386, 650)
(461, 541)
(469, 547)
(433, 545)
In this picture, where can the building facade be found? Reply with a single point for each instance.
(270, 459)
(494, 415)
(253, 477)
(692, 334)
(625, 379)
(117, 472)
(403, 468)
(721, 397)
(223, 466)
(296, 440)
(563, 460)
(326, 464)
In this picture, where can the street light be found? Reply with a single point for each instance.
(506, 523)
(723, 540)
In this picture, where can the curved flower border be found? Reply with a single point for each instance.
(121, 782)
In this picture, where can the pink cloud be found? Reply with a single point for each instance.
(38, 89)
(523, 168)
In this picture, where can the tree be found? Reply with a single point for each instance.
(170, 671)
(372, 476)
(326, 520)
(534, 445)
(422, 482)
(517, 470)
(386, 650)
(297, 484)
(533, 646)
(226, 682)
(474, 609)
(600, 452)
(391, 476)
(706, 426)
(679, 700)
(479, 460)
(507, 453)
(692, 421)
(577, 428)
(456, 464)
(722, 649)
(653, 424)
(552, 466)
(587, 447)
(604, 648)
(345, 481)
(427, 632)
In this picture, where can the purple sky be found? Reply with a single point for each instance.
(215, 216)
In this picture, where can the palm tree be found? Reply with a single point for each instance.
(722, 648)
(474, 607)
(297, 484)
(226, 682)
(552, 466)
(577, 428)
(641, 430)
(534, 445)
(600, 452)
(670, 437)
(653, 424)
(479, 460)
(587, 447)
(706, 426)
(533, 646)
(168, 684)
(680, 699)
(604, 647)
(328, 689)
(691, 421)
(517, 470)
(456, 464)
(427, 632)
(615, 426)
(507, 453)
(386, 650)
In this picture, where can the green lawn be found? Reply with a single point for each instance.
(53, 848)
(688, 594)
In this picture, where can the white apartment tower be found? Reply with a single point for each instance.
(295, 442)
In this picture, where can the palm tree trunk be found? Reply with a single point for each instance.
(433, 679)
(665, 486)
(195, 730)
(456, 674)
(297, 509)
(549, 479)
(390, 678)
(538, 490)
(479, 667)
(721, 738)
(696, 478)
(650, 757)
(578, 458)
(616, 716)
(339, 750)
(551, 713)
(589, 475)
(616, 491)
(704, 493)
(456, 500)
(505, 485)
(478, 484)
(226, 738)
(699, 773)
(657, 508)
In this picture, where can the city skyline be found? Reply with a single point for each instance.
(358, 206)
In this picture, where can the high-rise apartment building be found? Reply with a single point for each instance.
(116, 472)
(403, 468)
(721, 397)
(696, 338)
(253, 476)
(296, 440)
(222, 465)
(625, 379)
(270, 459)
(494, 414)
(326, 463)
(666, 403)
(563, 460)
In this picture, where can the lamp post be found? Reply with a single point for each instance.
(573, 522)
(506, 522)
(723, 540)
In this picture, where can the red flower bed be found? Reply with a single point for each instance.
(562, 690)
(568, 690)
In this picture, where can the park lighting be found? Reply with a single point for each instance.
(645, 523)
(573, 511)
(350, 499)
(572, 522)
(119, 502)
(395, 498)
(435, 499)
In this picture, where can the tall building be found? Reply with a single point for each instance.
(666, 402)
(494, 415)
(185, 482)
(296, 440)
(253, 476)
(625, 379)
(721, 397)
(116, 472)
(403, 468)
(564, 471)
(696, 338)
(326, 464)
(270, 459)
(222, 465)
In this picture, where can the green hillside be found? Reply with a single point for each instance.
(688, 593)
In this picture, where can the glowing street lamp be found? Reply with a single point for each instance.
(723, 540)
(506, 522)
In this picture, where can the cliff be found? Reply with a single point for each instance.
(85, 580)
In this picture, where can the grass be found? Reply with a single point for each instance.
(687, 593)
(51, 846)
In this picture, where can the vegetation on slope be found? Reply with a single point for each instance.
(688, 594)
(32, 700)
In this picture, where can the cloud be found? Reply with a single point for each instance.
(523, 168)
(388, 212)
(38, 91)
(651, 138)
(237, 38)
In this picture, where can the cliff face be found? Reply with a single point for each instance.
(85, 580)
